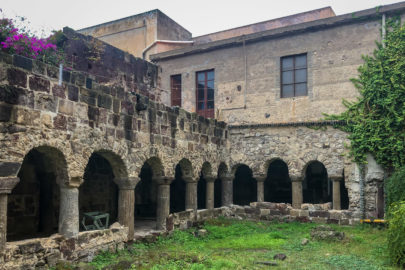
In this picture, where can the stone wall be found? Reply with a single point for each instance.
(317, 213)
(247, 68)
(42, 253)
(84, 115)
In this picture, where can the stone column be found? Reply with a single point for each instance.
(227, 190)
(209, 202)
(336, 192)
(6, 186)
(191, 193)
(163, 200)
(126, 203)
(297, 197)
(260, 187)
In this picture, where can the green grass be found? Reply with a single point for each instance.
(233, 244)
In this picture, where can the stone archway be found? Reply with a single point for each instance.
(146, 198)
(205, 184)
(99, 192)
(316, 186)
(33, 205)
(277, 186)
(244, 186)
(183, 176)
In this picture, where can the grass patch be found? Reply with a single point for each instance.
(232, 244)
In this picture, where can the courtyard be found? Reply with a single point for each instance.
(235, 244)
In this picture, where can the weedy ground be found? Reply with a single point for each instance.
(231, 244)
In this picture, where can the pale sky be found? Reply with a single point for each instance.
(198, 17)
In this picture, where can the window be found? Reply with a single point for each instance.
(205, 93)
(294, 76)
(175, 86)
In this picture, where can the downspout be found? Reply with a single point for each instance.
(245, 56)
(383, 32)
(362, 186)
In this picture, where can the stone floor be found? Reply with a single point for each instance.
(145, 227)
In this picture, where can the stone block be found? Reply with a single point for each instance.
(60, 122)
(52, 71)
(16, 96)
(335, 214)
(332, 221)
(295, 212)
(58, 91)
(9, 168)
(116, 106)
(266, 205)
(88, 100)
(304, 213)
(104, 101)
(66, 107)
(17, 77)
(344, 221)
(37, 83)
(5, 112)
(303, 219)
(319, 213)
(39, 67)
(45, 102)
(26, 117)
(66, 75)
(73, 93)
(264, 212)
(89, 83)
(22, 62)
(93, 113)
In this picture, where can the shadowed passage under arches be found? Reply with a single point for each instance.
(244, 186)
(277, 186)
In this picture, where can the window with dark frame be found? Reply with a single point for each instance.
(175, 87)
(294, 76)
(205, 93)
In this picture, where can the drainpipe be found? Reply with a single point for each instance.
(60, 74)
(362, 184)
(383, 32)
(245, 56)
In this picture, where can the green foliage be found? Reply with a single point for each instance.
(396, 233)
(375, 121)
(395, 187)
(350, 262)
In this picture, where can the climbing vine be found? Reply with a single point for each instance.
(376, 120)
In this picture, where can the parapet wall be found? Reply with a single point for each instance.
(84, 115)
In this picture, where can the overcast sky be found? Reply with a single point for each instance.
(199, 17)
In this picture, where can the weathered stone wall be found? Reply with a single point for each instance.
(83, 116)
(317, 213)
(247, 69)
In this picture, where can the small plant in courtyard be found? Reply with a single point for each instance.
(396, 233)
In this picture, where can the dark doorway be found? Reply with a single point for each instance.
(344, 196)
(201, 193)
(277, 187)
(145, 195)
(33, 205)
(178, 192)
(98, 193)
(316, 186)
(244, 186)
(217, 193)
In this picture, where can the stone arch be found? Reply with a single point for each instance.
(244, 185)
(183, 173)
(277, 186)
(205, 176)
(222, 171)
(99, 191)
(316, 185)
(34, 202)
(146, 194)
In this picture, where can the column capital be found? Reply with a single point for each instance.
(209, 178)
(74, 182)
(126, 183)
(260, 177)
(226, 177)
(296, 178)
(189, 179)
(7, 184)
(163, 180)
(336, 178)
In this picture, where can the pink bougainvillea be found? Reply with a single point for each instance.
(12, 41)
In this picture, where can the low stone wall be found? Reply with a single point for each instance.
(42, 253)
(317, 213)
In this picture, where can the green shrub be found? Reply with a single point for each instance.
(395, 187)
(396, 233)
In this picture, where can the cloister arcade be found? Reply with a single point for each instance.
(41, 203)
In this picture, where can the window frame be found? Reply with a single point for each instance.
(293, 69)
(206, 112)
(172, 79)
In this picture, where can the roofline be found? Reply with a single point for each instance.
(252, 24)
(348, 18)
(121, 19)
